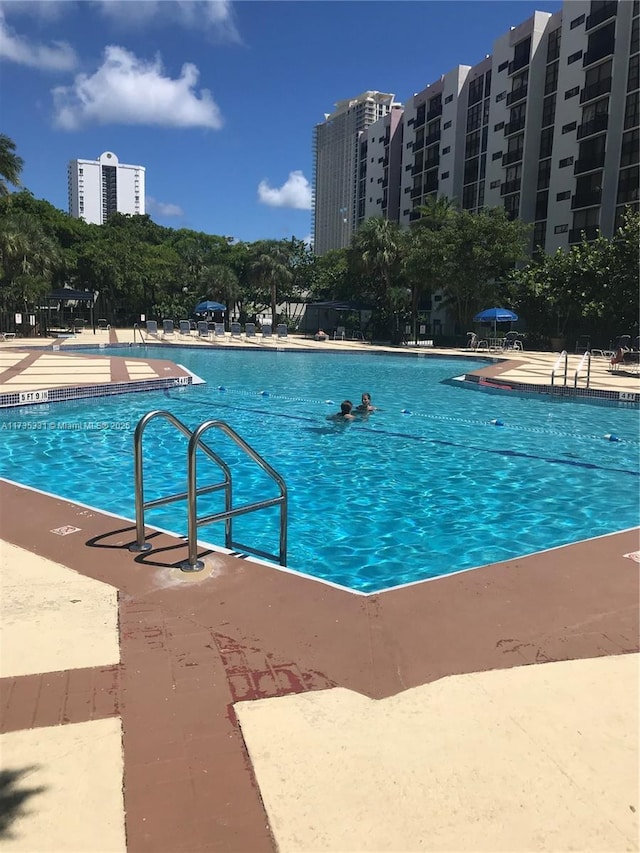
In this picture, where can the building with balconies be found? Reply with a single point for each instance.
(98, 188)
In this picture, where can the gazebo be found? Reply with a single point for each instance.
(66, 295)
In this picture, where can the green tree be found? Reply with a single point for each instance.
(10, 165)
(269, 273)
(376, 250)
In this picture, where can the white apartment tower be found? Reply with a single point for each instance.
(547, 126)
(335, 184)
(98, 188)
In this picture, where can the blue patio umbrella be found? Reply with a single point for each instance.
(209, 307)
(495, 315)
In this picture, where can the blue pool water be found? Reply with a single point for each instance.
(401, 496)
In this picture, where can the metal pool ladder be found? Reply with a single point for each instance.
(192, 564)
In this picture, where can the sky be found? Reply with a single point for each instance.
(218, 99)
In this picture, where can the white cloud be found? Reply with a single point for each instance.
(213, 16)
(295, 193)
(162, 208)
(58, 56)
(128, 90)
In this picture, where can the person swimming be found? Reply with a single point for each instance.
(345, 413)
(365, 406)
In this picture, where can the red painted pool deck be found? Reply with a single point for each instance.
(193, 646)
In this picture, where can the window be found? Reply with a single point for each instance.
(475, 90)
(503, 66)
(546, 142)
(81, 171)
(472, 145)
(448, 99)
(512, 205)
(471, 170)
(469, 195)
(544, 174)
(561, 229)
(574, 57)
(586, 219)
(635, 41)
(566, 161)
(473, 117)
(494, 185)
(571, 93)
(487, 84)
(553, 45)
(501, 96)
(446, 150)
(630, 153)
(548, 110)
(542, 204)
(631, 116)
(633, 79)
(446, 125)
(539, 234)
(444, 175)
(551, 78)
(567, 128)
(498, 126)
(497, 155)
(628, 186)
(576, 22)
(563, 196)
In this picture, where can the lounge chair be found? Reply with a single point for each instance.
(236, 330)
(185, 327)
(152, 327)
(7, 336)
(281, 330)
(168, 327)
(512, 341)
(203, 329)
(267, 331)
(103, 325)
(250, 330)
(339, 333)
(583, 344)
(218, 330)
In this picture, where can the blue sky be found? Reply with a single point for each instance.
(217, 99)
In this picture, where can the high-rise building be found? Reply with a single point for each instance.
(98, 188)
(335, 181)
(547, 126)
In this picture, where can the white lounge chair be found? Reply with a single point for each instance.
(218, 330)
(250, 330)
(203, 329)
(168, 327)
(185, 327)
(236, 330)
(152, 327)
(281, 330)
(339, 333)
(267, 331)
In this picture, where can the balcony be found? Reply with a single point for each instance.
(512, 157)
(516, 95)
(514, 126)
(434, 112)
(590, 233)
(589, 163)
(385, 182)
(517, 64)
(603, 14)
(601, 87)
(598, 52)
(415, 214)
(432, 162)
(510, 187)
(419, 121)
(416, 192)
(431, 184)
(591, 198)
(434, 137)
(417, 169)
(418, 145)
(596, 125)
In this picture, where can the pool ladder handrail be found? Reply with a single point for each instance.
(586, 357)
(136, 328)
(562, 357)
(195, 442)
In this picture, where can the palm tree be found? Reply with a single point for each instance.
(224, 282)
(28, 260)
(270, 268)
(10, 165)
(377, 249)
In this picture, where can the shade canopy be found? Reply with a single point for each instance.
(495, 315)
(66, 294)
(204, 307)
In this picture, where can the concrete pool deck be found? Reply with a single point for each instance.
(247, 708)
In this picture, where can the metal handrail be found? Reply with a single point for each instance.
(563, 356)
(137, 328)
(193, 564)
(192, 493)
(587, 357)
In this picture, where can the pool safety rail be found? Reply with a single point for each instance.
(193, 564)
(563, 362)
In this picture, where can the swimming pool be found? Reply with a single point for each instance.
(426, 486)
